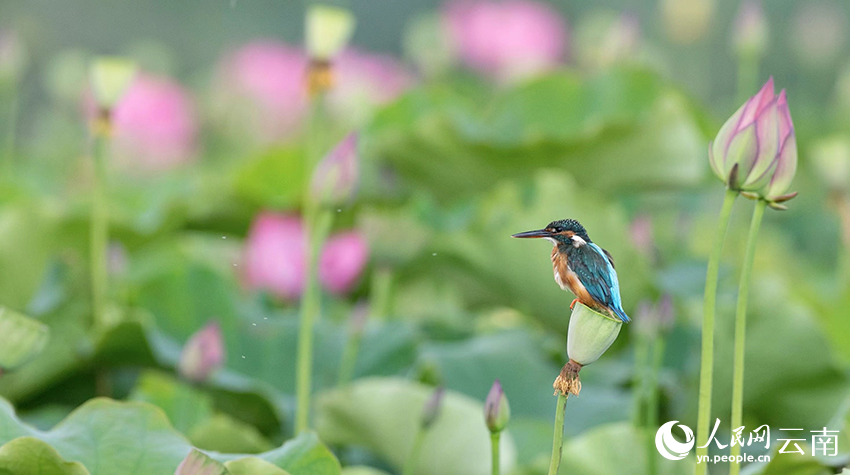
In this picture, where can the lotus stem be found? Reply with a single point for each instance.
(494, 444)
(11, 131)
(413, 458)
(709, 302)
(99, 224)
(349, 357)
(558, 437)
(310, 308)
(741, 328)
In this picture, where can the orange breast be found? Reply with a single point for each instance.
(568, 280)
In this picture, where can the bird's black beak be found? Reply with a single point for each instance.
(540, 233)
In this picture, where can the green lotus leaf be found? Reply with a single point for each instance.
(31, 456)
(21, 339)
(109, 437)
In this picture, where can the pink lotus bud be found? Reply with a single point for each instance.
(154, 124)
(640, 231)
(756, 149)
(497, 412)
(431, 410)
(508, 40)
(336, 176)
(364, 81)
(203, 353)
(342, 261)
(751, 34)
(262, 89)
(653, 318)
(275, 256)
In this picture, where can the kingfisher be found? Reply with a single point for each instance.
(582, 267)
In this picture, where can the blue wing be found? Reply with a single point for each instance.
(595, 270)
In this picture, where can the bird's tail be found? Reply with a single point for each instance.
(621, 314)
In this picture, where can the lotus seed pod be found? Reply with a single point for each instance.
(110, 78)
(590, 334)
(328, 31)
(21, 339)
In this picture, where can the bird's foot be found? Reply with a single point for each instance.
(573, 304)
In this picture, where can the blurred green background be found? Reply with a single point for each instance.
(460, 146)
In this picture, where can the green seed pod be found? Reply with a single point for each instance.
(590, 334)
(21, 339)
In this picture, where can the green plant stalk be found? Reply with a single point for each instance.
(310, 308)
(379, 300)
(413, 458)
(709, 302)
(11, 131)
(638, 399)
(494, 445)
(99, 232)
(652, 403)
(741, 328)
(349, 357)
(318, 221)
(558, 436)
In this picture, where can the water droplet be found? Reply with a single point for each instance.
(339, 210)
(434, 254)
(243, 357)
(265, 318)
(234, 265)
(254, 324)
(224, 237)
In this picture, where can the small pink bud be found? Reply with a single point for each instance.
(750, 34)
(497, 412)
(335, 179)
(431, 410)
(203, 353)
(342, 261)
(275, 255)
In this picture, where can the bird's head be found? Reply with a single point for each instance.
(564, 231)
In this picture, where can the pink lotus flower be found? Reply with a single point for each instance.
(275, 256)
(508, 40)
(203, 353)
(342, 261)
(365, 80)
(154, 125)
(264, 85)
